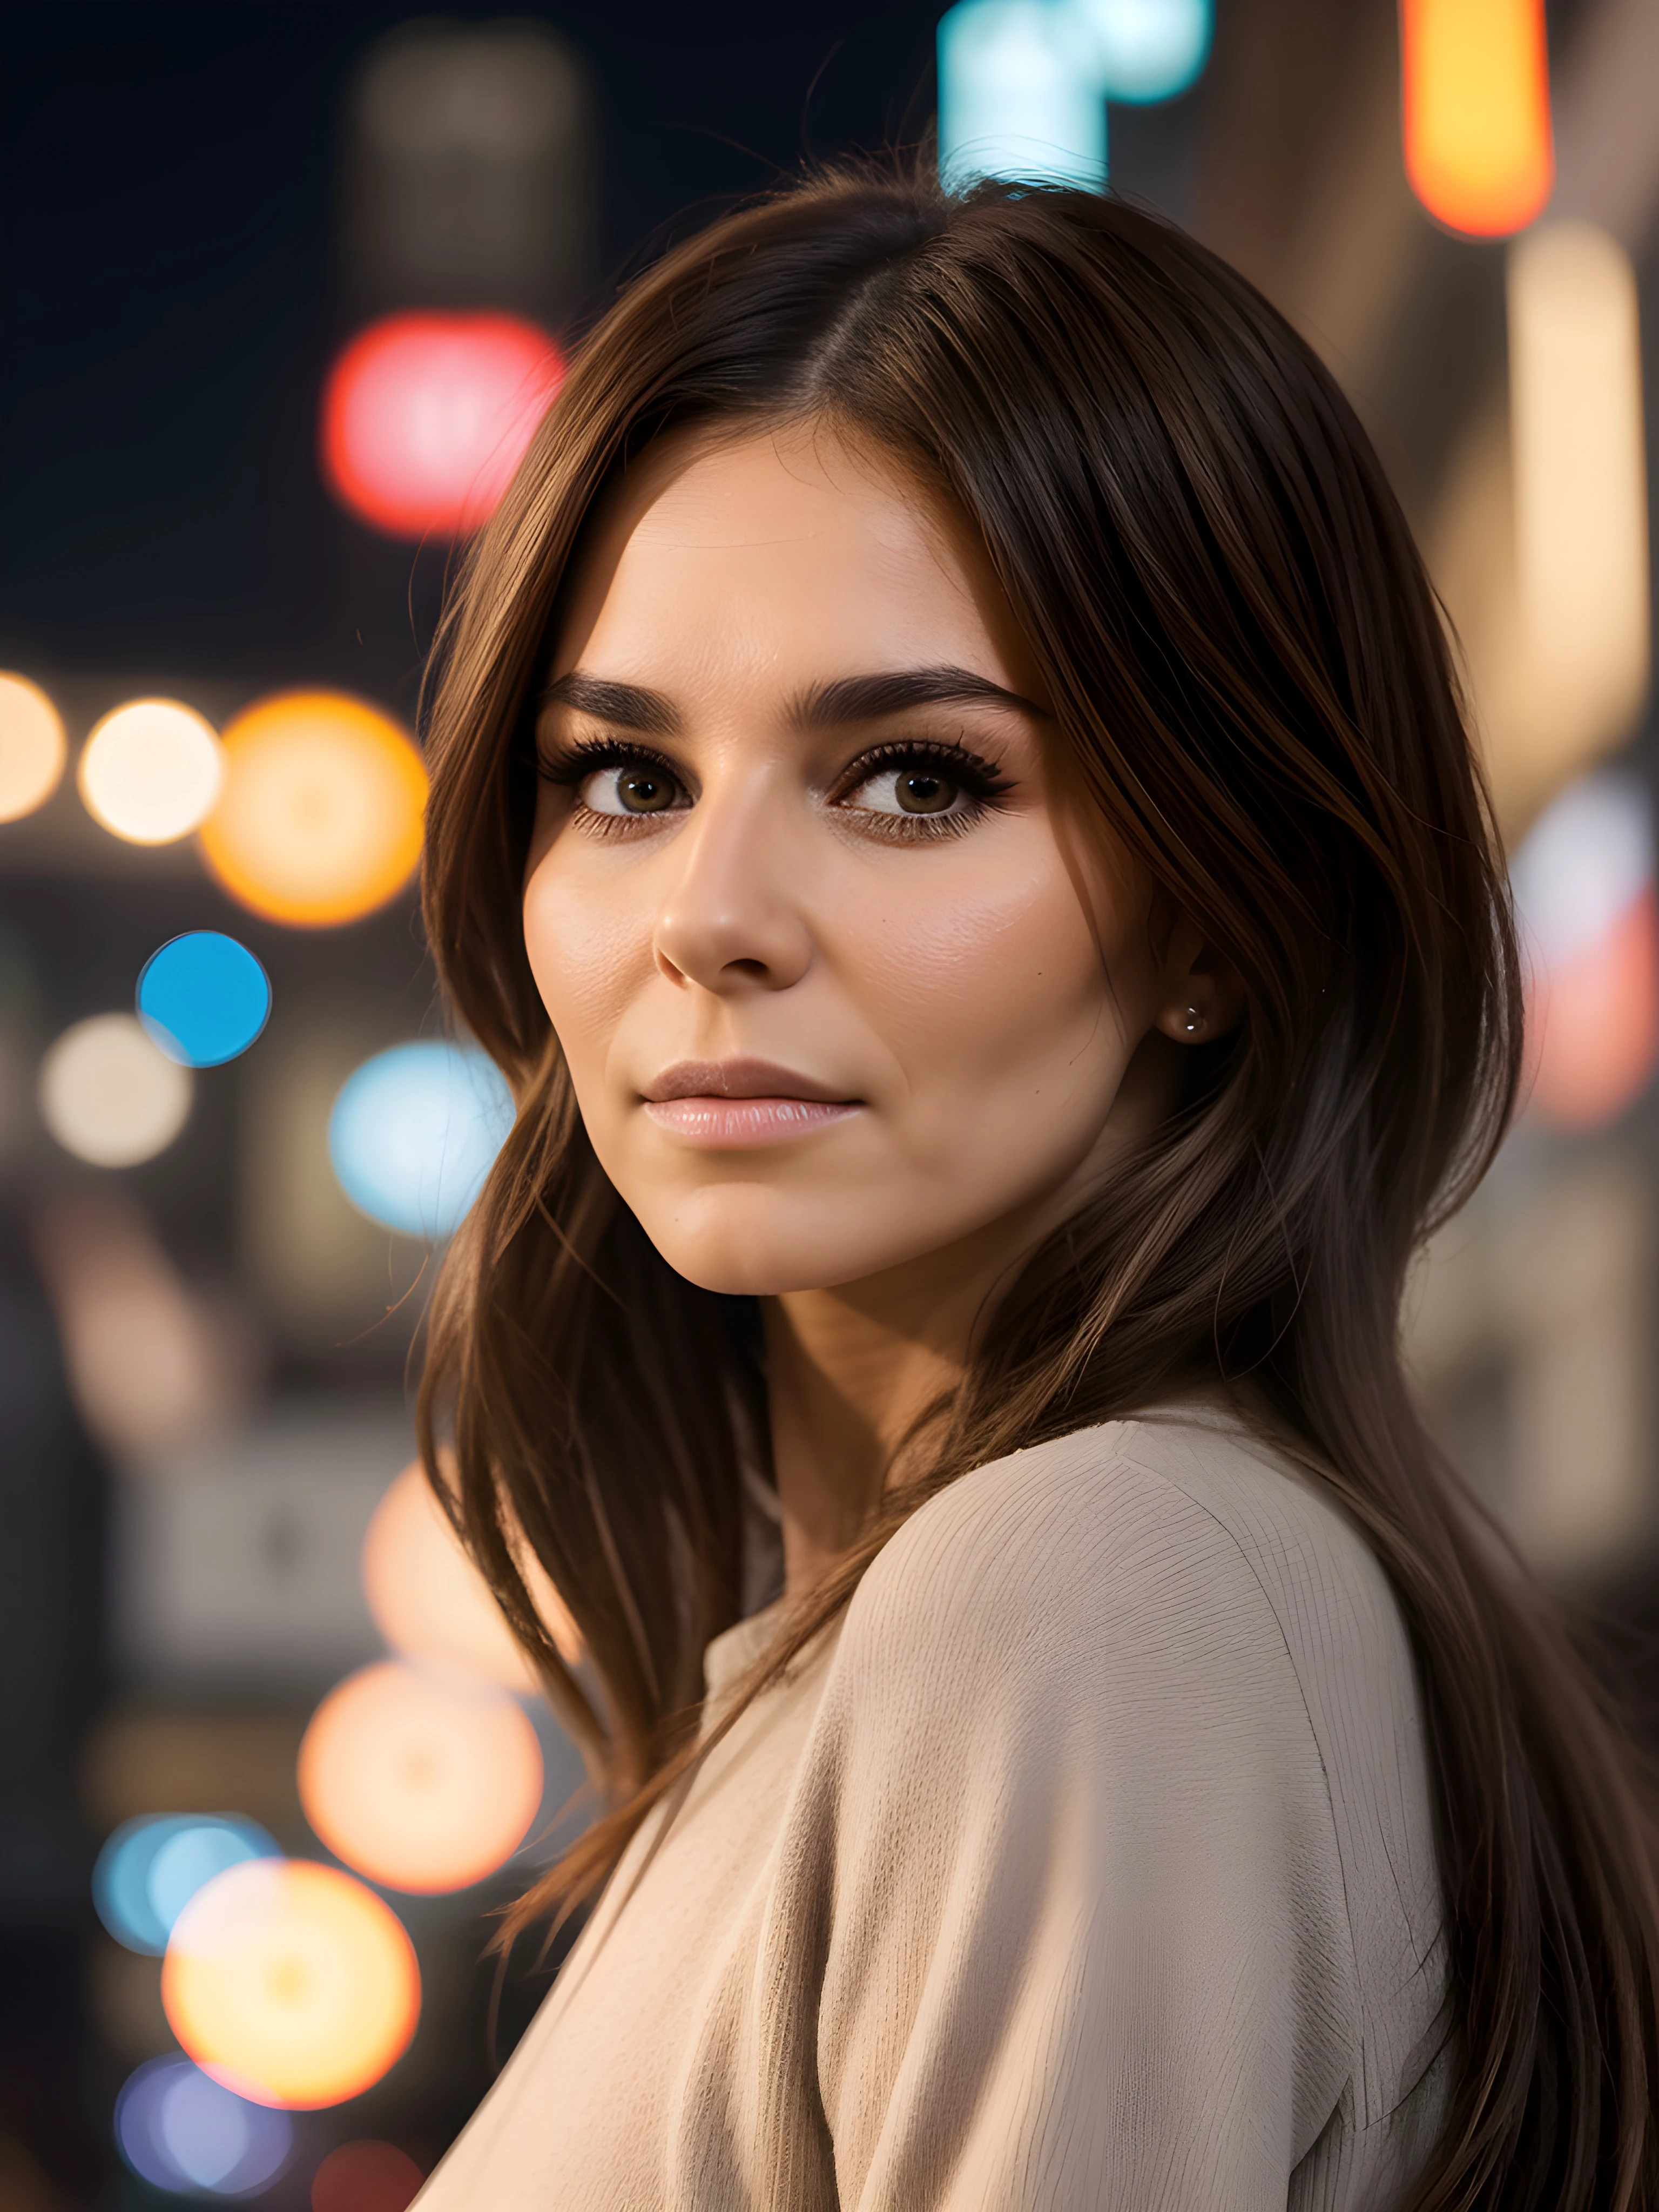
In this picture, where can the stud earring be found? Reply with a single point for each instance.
(1194, 1023)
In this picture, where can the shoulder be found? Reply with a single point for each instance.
(1160, 1529)
(1163, 1637)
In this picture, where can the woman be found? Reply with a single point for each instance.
(949, 805)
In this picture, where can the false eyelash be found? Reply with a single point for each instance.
(573, 763)
(977, 776)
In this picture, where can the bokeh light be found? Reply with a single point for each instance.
(150, 1868)
(180, 2131)
(424, 1781)
(1584, 889)
(291, 1983)
(429, 1600)
(1145, 50)
(1023, 84)
(425, 417)
(204, 997)
(1478, 150)
(1016, 96)
(1580, 474)
(320, 821)
(33, 747)
(365, 2176)
(414, 1132)
(150, 771)
(109, 1095)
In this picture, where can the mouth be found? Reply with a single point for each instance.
(728, 1105)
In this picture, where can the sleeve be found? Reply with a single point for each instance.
(1083, 1941)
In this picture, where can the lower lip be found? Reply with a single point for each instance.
(733, 1124)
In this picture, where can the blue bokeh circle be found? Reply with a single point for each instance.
(414, 1132)
(204, 997)
(151, 1867)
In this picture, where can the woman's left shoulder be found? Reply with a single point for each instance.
(1171, 1522)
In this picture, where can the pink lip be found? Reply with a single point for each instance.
(725, 1105)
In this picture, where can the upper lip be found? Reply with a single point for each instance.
(738, 1078)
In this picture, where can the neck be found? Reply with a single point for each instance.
(849, 1370)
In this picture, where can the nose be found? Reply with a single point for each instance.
(732, 920)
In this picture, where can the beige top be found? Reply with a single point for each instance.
(1087, 1863)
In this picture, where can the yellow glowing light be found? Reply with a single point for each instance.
(33, 747)
(108, 1096)
(1477, 112)
(421, 1781)
(150, 771)
(320, 818)
(430, 1602)
(291, 1983)
(1580, 478)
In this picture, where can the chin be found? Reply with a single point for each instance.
(751, 1243)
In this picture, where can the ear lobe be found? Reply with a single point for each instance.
(1206, 1003)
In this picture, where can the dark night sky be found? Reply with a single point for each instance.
(172, 296)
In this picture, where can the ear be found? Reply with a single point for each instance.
(1202, 997)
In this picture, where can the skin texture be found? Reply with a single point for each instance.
(993, 993)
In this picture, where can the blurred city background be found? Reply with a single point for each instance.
(285, 291)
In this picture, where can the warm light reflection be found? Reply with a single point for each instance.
(1584, 890)
(150, 771)
(291, 1983)
(1597, 1018)
(180, 2131)
(430, 1602)
(155, 1365)
(1580, 486)
(33, 747)
(365, 2176)
(320, 818)
(422, 1781)
(414, 1133)
(426, 417)
(108, 1096)
(1477, 112)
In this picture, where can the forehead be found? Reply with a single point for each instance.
(777, 548)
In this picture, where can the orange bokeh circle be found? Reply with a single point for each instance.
(320, 818)
(430, 1602)
(291, 1983)
(424, 1781)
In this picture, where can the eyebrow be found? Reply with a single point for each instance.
(624, 706)
(821, 707)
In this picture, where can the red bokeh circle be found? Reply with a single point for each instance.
(425, 417)
(365, 2176)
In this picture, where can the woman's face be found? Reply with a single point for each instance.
(836, 990)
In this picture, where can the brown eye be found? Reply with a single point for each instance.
(914, 788)
(640, 789)
(921, 792)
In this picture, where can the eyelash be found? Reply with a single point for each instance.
(982, 783)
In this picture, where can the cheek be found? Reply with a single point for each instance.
(998, 996)
(588, 949)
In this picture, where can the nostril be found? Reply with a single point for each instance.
(755, 968)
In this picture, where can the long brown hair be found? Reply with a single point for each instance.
(1250, 673)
